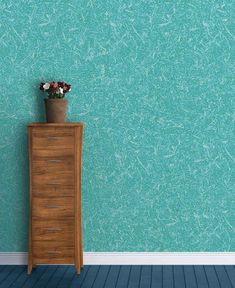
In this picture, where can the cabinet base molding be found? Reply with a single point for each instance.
(136, 258)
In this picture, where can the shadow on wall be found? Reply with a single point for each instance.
(37, 115)
(39, 109)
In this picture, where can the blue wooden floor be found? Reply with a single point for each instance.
(119, 276)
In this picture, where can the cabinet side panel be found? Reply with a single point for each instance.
(78, 213)
(30, 259)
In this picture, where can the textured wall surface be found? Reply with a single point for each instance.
(153, 81)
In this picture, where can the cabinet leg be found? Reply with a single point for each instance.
(78, 269)
(30, 266)
(81, 260)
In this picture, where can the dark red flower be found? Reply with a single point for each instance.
(61, 84)
(66, 87)
(54, 86)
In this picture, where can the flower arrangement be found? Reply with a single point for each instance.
(55, 90)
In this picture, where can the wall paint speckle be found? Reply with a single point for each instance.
(153, 81)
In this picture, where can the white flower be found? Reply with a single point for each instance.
(46, 86)
(61, 90)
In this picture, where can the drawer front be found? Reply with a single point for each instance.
(57, 152)
(46, 252)
(60, 179)
(53, 230)
(51, 138)
(52, 191)
(45, 165)
(53, 208)
(53, 171)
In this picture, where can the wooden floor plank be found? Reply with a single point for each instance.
(231, 274)
(123, 278)
(86, 278)
(12, 276)
(2, 267)
(168, 277)
(56, 277)
(189, 275)
(112, 277)
(211, 276)
(102, 276)
(5, 272)
(78, 280)
(200, 276)
(19, 282)
(46, 276)
(157, 272)
(134, 279)
(222, 276)
(178, 274)
(35, 276)
(145, 277)
(67, 277)
(119, 277)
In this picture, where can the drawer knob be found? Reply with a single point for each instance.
(54, 137)
(53, 229)
(52, 206)
(54, 161)
(54, 252)
(54, 183)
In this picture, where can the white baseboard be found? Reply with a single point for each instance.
(137, 258)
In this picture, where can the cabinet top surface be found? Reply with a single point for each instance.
(68, 124)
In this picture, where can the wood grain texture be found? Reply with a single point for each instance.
(30, 258)
(53, 230)
(53, 191)
(78, 214)
(55, 235)
(53, 252)
(53, 208)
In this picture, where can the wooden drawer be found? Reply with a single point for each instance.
(52, 191)
(53, 208)
(57, 152)
(53, 171)
(60, 179)
(53, 230)
(46, 252)
(45, 165)
(50, 138)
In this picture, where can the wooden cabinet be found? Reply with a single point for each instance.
(55, 234)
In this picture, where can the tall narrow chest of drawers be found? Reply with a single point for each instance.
(55, 233)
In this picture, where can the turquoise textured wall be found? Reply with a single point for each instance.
(153, 81)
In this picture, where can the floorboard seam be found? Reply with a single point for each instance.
(62, 277)
(141, 268)
(217, 277)
(83, 278)
(229, 277)
(13, 268)
(95, 276)
(39, 278)
(118, 276)
(206, 277)
(107, 276)
(184, 276)
(129, 276)
(194, 272)
(16, 278)
(151, 275)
